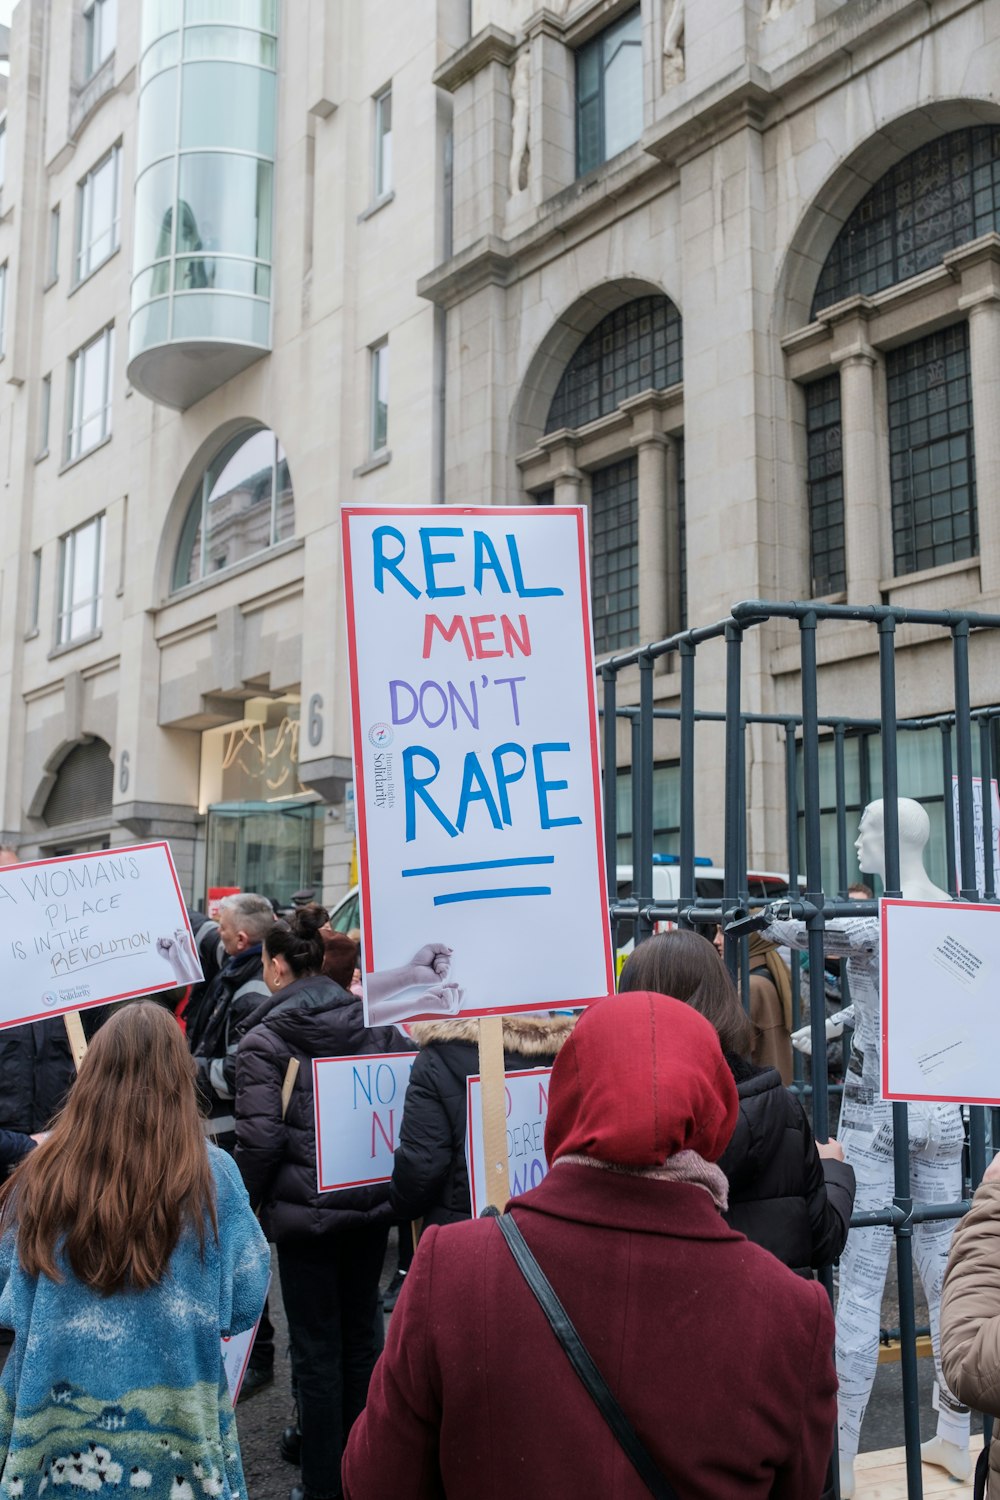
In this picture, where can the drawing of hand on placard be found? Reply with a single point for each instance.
(176, 948)
(428, 969)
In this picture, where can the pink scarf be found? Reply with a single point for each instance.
(686, 1166)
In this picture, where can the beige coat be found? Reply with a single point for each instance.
(970, 1313)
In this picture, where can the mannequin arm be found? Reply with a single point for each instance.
(842, 938)
(802, 1039)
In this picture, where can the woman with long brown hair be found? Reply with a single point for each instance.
(128, 1247)
(785, 1192)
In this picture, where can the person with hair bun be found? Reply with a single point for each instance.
(330, 1245)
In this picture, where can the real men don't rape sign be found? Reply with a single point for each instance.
(477, 779)
(91, 928)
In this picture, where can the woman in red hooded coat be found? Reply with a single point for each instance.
(720, 1356)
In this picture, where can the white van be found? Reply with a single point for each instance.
(709, 879)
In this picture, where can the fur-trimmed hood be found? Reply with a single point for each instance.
(529, 1035)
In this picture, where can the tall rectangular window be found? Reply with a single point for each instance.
(52, 259)
(98, 214)
(825, 483)
(3, 310)
(3, 158)
(90, 379)
(614, 538)
(379, 396)
(609, 93)
(931, 451)
(81, 578)
(100, 25)
(383, 143)
(36, 591)
(44, 412)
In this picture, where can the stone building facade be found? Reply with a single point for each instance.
(726, 272)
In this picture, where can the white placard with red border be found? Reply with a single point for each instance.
(236, 1350)
(527, 1101)
(476, 766)
(358, 1102)
(87, 929)
(940, 1009)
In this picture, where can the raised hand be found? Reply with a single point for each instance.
(431, 963)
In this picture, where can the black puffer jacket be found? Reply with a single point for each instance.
(311, 1017)
(234, 996)
(782, 1194)
(37, 1070)
(429, 1177)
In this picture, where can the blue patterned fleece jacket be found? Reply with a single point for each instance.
(125, 1394)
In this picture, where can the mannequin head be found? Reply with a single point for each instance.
(914, 831)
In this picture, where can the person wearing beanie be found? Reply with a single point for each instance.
(720, 1357)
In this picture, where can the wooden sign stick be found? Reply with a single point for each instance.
(77, 1039)
(291, 1073)
(494, 1109)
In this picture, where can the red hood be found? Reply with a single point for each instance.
(641, 1078)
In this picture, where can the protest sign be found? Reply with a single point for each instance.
(358, 1102)
(88, 929)
(236, 1349)
(476, 768)
(215, 896)
(978, 833)
(527, 1109)
(940, 1020)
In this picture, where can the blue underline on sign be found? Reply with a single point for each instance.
(482, 864)
(524, 890)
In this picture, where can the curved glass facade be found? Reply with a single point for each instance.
(204, 193)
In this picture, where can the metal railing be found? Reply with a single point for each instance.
(803, 733)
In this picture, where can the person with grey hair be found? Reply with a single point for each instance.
(234, 994)
(228, 1003)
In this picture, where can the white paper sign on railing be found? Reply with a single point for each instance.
(527, 1093)
(978, 832)
(476, 765)
(940, 1018)
(359, 1105)
(88, 929)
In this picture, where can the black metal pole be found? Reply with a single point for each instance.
(814, 861)
(734, 783)
(687, 850)
(968, 890)
(841, 794)
(949, 807)
(986, 786)
(610, 681)
(642, 836)
(900, 1124)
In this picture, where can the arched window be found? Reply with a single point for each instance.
(939, 197)
(84, 786)
(622, 387)
(242, 505)
(635, 348)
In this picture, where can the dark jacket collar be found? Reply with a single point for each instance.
(623, 1200)
(311, 992)
(249, 957)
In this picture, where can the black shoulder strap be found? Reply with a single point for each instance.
(579, 1357)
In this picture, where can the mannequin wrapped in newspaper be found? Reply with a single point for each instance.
(936, 1138)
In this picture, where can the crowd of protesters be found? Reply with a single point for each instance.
(686, 1209)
